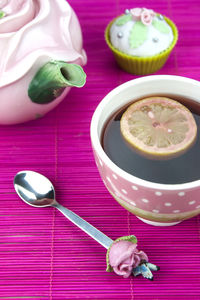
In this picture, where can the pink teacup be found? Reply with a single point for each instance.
(154, 203)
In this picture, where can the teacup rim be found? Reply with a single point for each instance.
(96, 144)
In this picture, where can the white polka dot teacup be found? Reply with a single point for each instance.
(154, 203)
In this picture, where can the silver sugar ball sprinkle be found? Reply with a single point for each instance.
(155, 40)
(160, 17)
(120, 34)
(127, 11)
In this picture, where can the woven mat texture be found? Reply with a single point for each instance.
(43, 255)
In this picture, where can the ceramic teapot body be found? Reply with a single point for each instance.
(40, 59)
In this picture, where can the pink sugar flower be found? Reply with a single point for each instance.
(144, 15)
(136, 13)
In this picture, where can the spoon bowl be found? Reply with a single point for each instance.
(34, 189)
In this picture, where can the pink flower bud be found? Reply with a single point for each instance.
(136, 13)
(146, 17)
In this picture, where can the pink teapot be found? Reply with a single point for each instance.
(41, 56)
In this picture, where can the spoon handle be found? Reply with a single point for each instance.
(99, 236)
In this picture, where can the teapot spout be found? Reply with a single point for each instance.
(51, 80)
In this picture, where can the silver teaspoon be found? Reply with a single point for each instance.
(36, 190)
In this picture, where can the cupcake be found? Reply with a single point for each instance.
(141, 40)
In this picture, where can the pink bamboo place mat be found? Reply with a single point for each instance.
(44, 256)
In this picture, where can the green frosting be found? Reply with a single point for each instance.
(2, 14)
(129, 238)
(123, 20)
(161, 26)
(138, 34)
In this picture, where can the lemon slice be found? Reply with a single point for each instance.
(158, 127)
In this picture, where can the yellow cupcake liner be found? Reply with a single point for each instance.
(141, 65)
